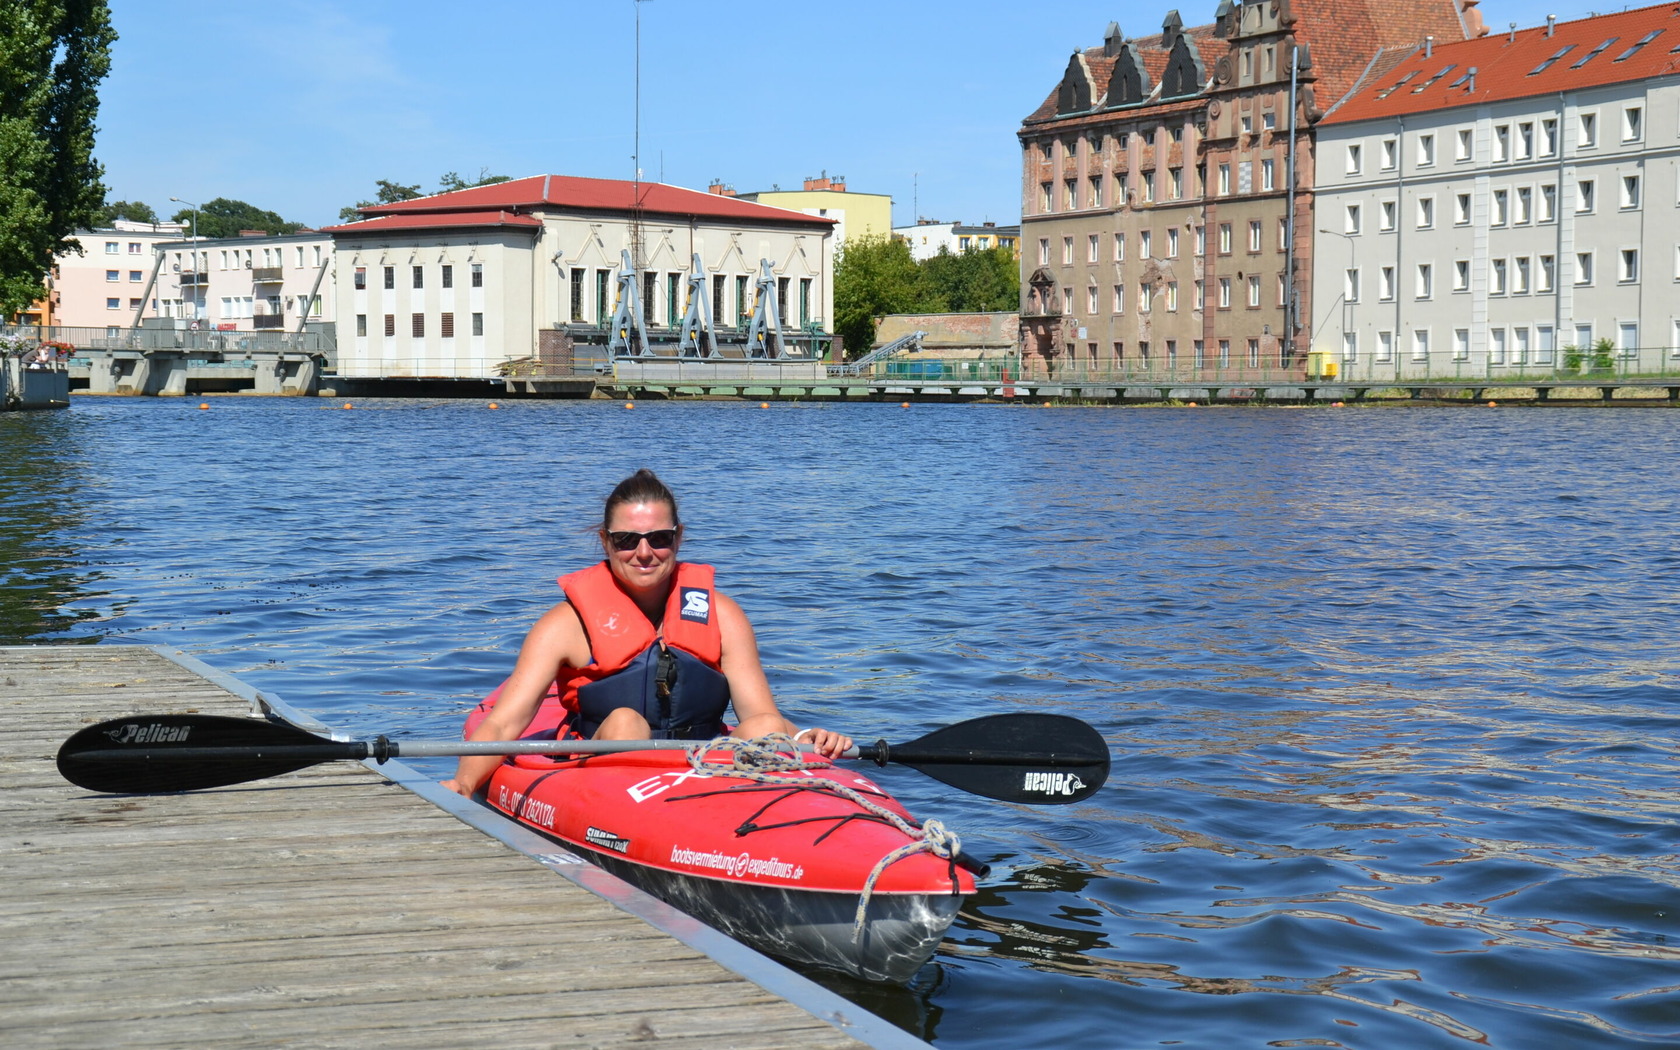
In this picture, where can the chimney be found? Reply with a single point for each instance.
(820, 183)
(1470, 83)
(718, 189)
(837, 184)
(1551, 24)
(1513, 37)
(1428, 47)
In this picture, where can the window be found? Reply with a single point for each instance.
(1462, 148)
(1224, 238)
(1225, 178)
(1350, 347)
(1254, 235)
(1425, 281)
(113, 304)
(1119, 299)
(1268, 174)
(1091, 300)
(1425, 212)
(1224, 353)
(1496, 277)
(113, 275)
(1496, 346)
(1172, 242)
(1548, 137)
(1461, 344)
(361, 278)
(1461, 275)
(1143, 297)
(1385, 286)
(1546, 273)
(1461, 209)
(1045, 203)
(1520, 268)
(1119, 247)
(1253, 291)
(1548, 203)
(1584, 196)
(1524, 142)
(1148, 179)
(390, 277)
(478, 275)
(1630, 191)
(1146, 244)
(1096, 192)
(1224, 293)
(1525, 205)
(446, 326)
(446, 276)
(1353, 166)
(417, 323)
(1627, 338)
(1350, 285)
(477, 324)
(1388, 210)
(1199, 237)
(1587, 131)
(1172, 296)
(1067, 251)
(1633, 126)
(1519, 345)
(1501, 208)
(390, 324)
(361, 324)
(1175, 183)
(1425, 150)
(1350, 224)
(1627, 270)
(110, 247)
(1420, 344)
(1044, 251)
(1545, 344)
(1091, 243)
(1070, 195)
(1385, 346)
(1583, 268)
(1390, 154)
(1502, 143)
(1254, 353)
(136, 276)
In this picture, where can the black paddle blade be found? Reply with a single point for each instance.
(1038, 759)
(152, 754)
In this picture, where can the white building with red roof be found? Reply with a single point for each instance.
(466, 284)
(1485, 206)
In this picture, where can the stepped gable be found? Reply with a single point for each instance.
(1646, 44)
(1344, 36)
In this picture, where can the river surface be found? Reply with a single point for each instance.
(1392, 693)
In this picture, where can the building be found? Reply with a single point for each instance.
(854, 214)
(466, 284)
(1495, 206)
(929, 236)
(106, 285)
(1165, 178)
(251, 283)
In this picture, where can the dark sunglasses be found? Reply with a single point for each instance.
(658, 539)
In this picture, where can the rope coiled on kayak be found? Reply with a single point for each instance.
(760, 758)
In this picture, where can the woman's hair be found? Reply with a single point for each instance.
(643, 486)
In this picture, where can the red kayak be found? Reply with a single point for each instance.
(777, 859)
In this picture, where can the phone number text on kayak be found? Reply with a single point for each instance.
(530, 810)
(737, 865)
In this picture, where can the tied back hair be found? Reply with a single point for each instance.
(643, 486)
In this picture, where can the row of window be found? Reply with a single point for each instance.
(1507, 206)
(1507, 345)
(446, 276)
(114, 248)
(1142, 351)
(1516, 275)
(1249, 176)
(1511, 142)
(1170, 243)
(417, 325)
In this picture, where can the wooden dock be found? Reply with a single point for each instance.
(331, 907)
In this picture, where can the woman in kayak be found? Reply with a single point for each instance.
(643, 647)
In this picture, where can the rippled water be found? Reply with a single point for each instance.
(1392, 693)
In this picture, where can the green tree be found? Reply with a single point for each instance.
(53, 55)
(225, 218)
(873, 276)
(977, 280)
(133, 211)
(450, 182)
(389, 193)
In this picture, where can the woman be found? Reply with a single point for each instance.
(642, 647)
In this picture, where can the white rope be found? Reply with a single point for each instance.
(757, 759)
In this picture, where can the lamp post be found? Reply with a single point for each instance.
(1347, 307)
(196, 285)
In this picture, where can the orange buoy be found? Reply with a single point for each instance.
(764, 404)
(348, 405)
(1493, 404)
(494, 405)
(629, 404)
(904, 404)
(1189, 404)
(1335, 404)
(204, 404)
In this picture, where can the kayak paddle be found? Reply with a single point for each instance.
(1040, 759)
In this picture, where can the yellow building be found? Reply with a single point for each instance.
(855, 214)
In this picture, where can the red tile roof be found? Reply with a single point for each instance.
(434, 220)
(1512, 69)
(572, 193)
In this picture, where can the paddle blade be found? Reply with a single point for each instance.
(1038, 759)
(151, 754)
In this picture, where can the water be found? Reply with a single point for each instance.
(1392, 693)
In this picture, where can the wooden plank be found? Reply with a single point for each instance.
(326, 908)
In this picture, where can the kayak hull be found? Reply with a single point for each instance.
(779, 861)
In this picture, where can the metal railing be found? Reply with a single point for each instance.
(115, 338)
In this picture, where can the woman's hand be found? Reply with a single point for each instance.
(827, 743)
(454, 785)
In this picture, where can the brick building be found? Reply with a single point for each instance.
(1156, 228)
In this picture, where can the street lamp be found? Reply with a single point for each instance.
(1347, 307)
(196, 286)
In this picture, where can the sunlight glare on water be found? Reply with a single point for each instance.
(1392, 693)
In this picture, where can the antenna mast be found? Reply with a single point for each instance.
(637, 254)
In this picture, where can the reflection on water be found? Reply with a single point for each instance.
(1392, 694)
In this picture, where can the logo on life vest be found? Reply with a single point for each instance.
(606, 840)
(134, 733)
(697, 604)
(1052, 783)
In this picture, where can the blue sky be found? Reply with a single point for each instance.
(298, 106)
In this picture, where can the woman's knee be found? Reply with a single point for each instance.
(624, 724)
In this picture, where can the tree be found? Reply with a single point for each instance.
(389, 193)
(133, 211)
(53, 55)
(450, 182)
(225, 218)
(976, 280)
(873, 276)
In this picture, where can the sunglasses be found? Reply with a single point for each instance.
(658, 539)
